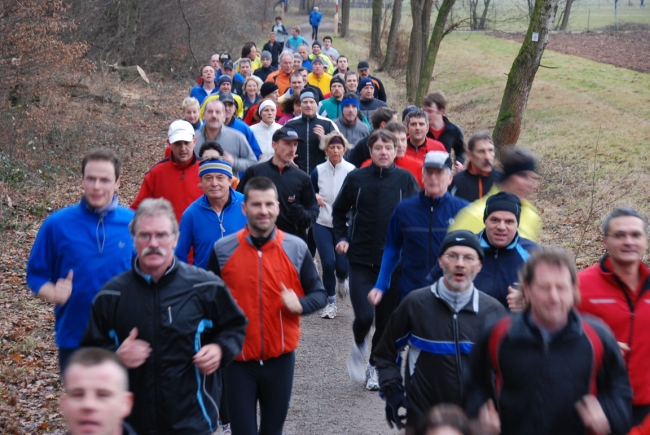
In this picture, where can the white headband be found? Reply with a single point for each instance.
(263, 104)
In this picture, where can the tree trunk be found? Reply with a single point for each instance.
(473, 16)
(345, 18)
(130, 16)
(426, 25)
(486, 4)
(391, 53)
(565, 17)
(375, 31)
(415, 51)
(522, 73)
(432, 52)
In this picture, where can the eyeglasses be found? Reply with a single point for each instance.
(160, 237)
(467, 259)
(636, 235)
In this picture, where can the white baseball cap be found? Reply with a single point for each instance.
(180, 130)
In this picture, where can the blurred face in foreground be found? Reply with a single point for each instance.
(550, 295)
(96, 399)
(436, 181)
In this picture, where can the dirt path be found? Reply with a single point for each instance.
(325, 400)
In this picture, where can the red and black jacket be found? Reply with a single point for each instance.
(536, 382)
(627, 313)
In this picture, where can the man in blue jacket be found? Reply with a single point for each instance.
(506, 251)
(213, 216)
(315, 17)
(81, 247)
(417, 228)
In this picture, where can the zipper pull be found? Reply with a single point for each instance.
(261, 363)
(169, 312)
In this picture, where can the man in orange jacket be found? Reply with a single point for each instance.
(274, 281)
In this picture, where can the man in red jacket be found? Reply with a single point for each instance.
(175, 178)
(419, 144)
(274, 281)
(617, 290)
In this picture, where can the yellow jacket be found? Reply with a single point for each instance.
(323, 83)
(237, 98)
(471, 217)
(255, 64)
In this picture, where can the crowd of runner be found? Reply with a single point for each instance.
(287, 159)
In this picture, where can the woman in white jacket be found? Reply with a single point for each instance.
(327, 179)
(264, 129)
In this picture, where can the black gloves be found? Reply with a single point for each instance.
(393, 403)
(296, 214)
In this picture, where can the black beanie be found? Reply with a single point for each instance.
(502, 201)
(461, 238)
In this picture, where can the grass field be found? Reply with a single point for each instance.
(511, 15)
(589, 122)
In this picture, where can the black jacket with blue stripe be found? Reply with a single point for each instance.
(186, 309)
(439, 341)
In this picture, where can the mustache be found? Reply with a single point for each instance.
(153, 251)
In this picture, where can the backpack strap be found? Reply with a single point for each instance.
(497, 335)
(599, 351)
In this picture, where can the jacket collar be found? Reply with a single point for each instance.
(103, 212)
(382, 171)
(476, 171)
(249, 240)
(146, 279)
(607, 269)
(424, 199)
(472, 305)
(482, 237)
(182, 166)
(524, 330)
(232, 199)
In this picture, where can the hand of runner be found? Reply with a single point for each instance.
(342, 247)
(516, 300)
(374, 297)
(319, 131)
(489, 419)
(133, 352)
(592, 415)
(290, 300)
(63, 289)
(208, 358)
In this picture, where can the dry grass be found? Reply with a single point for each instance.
(588, 121)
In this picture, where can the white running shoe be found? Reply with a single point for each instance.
(225, 429)
(372, 378)
(329, 312)
(356, 362)
(342, 288)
